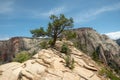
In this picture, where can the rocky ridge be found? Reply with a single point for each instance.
(49, 64)
(90, 42)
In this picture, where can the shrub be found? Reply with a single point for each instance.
(22, 56)
(106, 72)
(72, 64)
(50, 42)
(69, 62)
(95, 56)
(64, 48)
(44, 45)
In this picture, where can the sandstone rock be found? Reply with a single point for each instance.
(26, 75)
(94, 77)
(84, 73)
(58, 73)
(90, 64)
(90, 68)
(57, 64)
(35, 56)
(60, 43)
(89, 41)
(70, 76)
(1, 72)
(7, 71)
(76, 51)
(35, 68)
(8, 66)
(48, 65)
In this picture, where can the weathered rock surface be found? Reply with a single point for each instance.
(118, 41)
(89, 41)
(49, 64)
(10, 47)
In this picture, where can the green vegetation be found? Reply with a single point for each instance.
(38, 32)
(95, 56)
(55, 27)
(69, 61)
(22, 56)
(107, 73)
(50, 41)
(64, 49)
(69, 35)
(114, 66)
(44, 45)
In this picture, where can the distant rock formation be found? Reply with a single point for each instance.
(89, 41)
(49, 64)
(118, 41)
(9, 48)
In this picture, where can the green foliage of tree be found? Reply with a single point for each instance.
(38, 32)
(22, 56)
(55, 27)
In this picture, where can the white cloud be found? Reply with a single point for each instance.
(114, 35)
(91, 14)
(6, 6)
(55, 11)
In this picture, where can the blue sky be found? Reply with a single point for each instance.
(18, 17)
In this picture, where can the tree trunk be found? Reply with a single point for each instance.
(54, 41)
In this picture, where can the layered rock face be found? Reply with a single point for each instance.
(90, 42)
(118, 41)
(49, 64)
(10, 47)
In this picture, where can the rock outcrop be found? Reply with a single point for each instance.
(118, 41)
(90, 42)
(10, 47)
(49, 64)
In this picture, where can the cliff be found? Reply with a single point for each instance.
(99, 47)
(10, 47)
